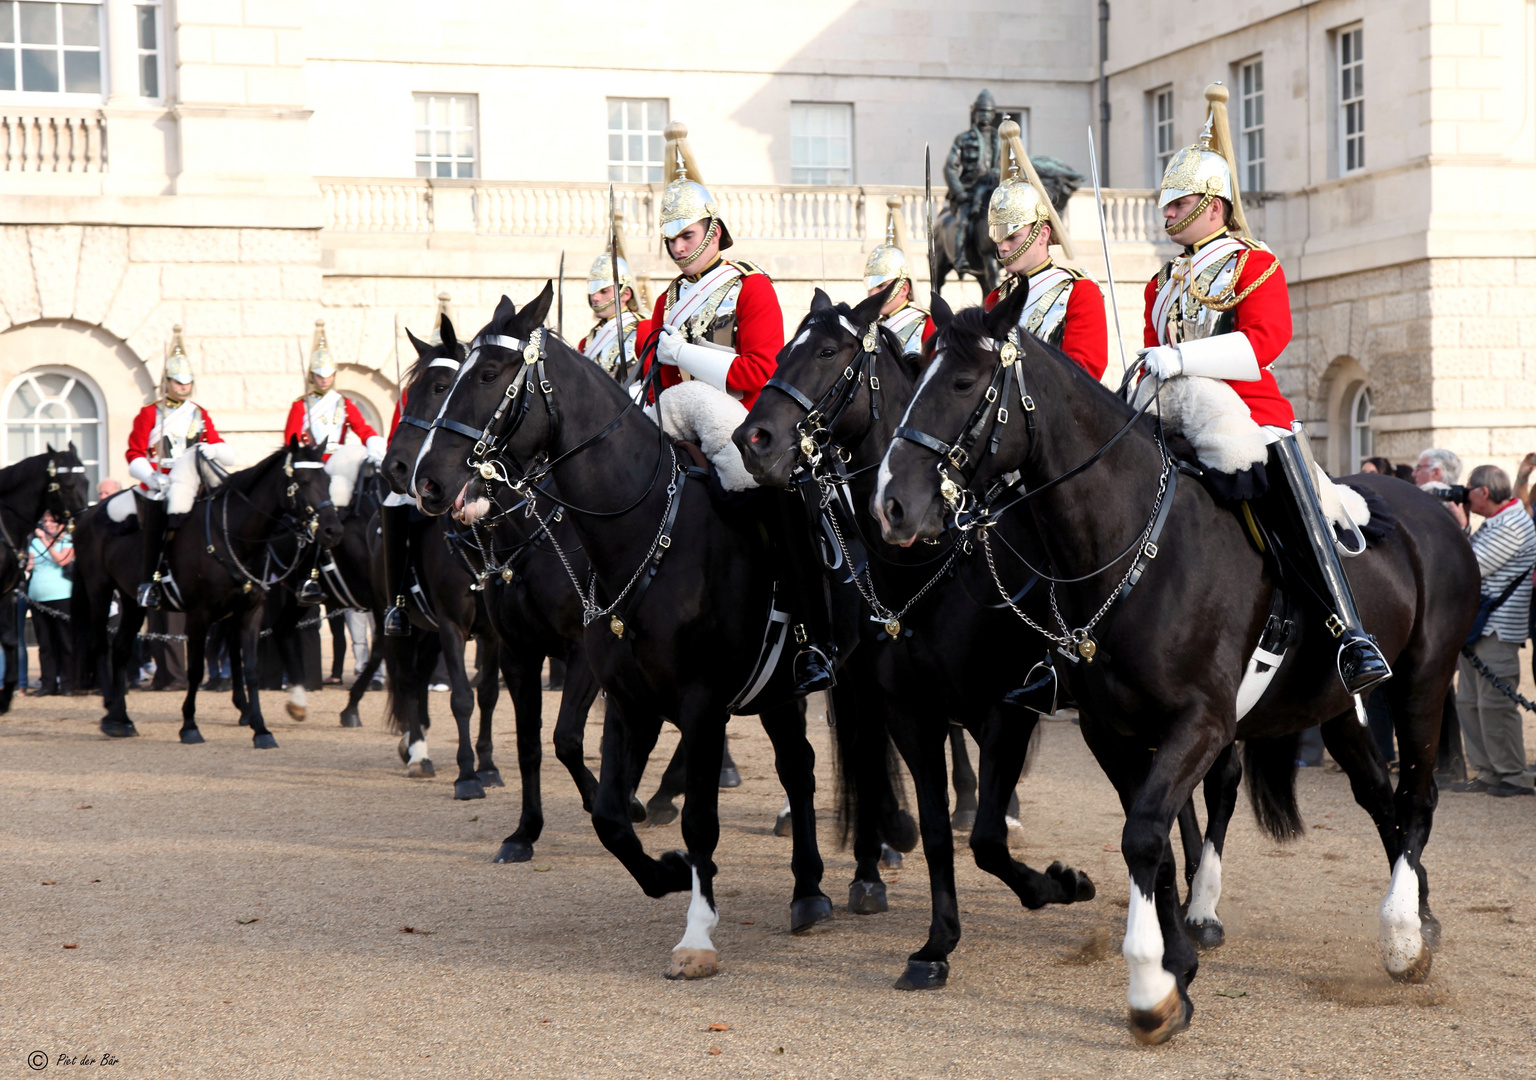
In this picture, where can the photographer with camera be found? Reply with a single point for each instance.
(1505, 546)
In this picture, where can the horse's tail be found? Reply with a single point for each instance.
(865, 774)
(83, 621)
(396, 722)
(1269, 766)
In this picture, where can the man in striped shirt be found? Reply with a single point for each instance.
(1505, 546)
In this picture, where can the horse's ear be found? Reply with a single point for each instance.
(72, 449)
(293, 443)
(940, 312)
(820, 301)
(421, 347)
(535, 312)
(449, 338)
(50, 448)
(1004, 316)
(505, 309)
(868, 309)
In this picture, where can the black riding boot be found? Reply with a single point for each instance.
(1360, 662)
(395, 522)
(805, 591)
(152, 528)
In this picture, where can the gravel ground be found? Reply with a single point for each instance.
(218, 911)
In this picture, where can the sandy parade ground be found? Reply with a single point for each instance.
(217, 911)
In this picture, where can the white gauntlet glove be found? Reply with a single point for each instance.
(707, 362)
(376, 448)
(667, 345)
(1224, 356)
(145, 473)
(1162, 362)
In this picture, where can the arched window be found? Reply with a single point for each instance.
(1362, 441)
(54, 406)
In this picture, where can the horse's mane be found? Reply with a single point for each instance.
(245, 478)
(826, 318)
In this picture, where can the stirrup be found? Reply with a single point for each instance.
(812, 671)
(1361, 665)
(396, 622)
(149, 596)
(309, 591)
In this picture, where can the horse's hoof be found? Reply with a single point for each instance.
(729, 777)
(924, 975)
(867, 898)
(421, 770)
(809, 912)
(514, 851)
(1429, 929)
(491, 778)
(1206, 934)
(468, 789)
(963, 820)
(404, 751)
(636, 810)
(118, 729)
(265, 741)
(693, 963)
(890, 858)
(660, 812)
(298, 712)
(349, 718)
(1155, 1026)
(192, 736)
(784, 824)
(1418, 970)
(1078, 885)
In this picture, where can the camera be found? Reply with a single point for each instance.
(1456, 493)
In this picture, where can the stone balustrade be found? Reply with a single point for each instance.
(759, 212)
(53, 141)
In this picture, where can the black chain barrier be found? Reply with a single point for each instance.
(1498, 684)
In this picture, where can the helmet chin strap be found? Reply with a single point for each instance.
(709, 235)
(1029, 242)
(1189, 219)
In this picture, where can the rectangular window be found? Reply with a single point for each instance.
(50, 48)
(820, 143)
(147, 41)
(1250, 83)
(1351, 101)
(635, 127)
(445, 135)
(1160, 113)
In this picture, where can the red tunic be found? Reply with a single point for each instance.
(1084, 332)
(298, 423)
(144, 424)
(1265, 316)
(759, 337)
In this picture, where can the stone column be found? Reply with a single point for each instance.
(122, 52)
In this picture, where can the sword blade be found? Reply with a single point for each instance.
(560, 302)
(933, 258)
(1109, 272)
(620, 360)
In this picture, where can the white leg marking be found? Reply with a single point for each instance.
(1206, 890)
(297, 696)
(418, 752)
(1401, 942)
(785, 812)
(702, 918)
(1143, 950)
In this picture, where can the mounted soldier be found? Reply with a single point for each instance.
(1220, 309)
(324, 414)
(602, 343)
(887, 263)
(162, 433)
(1064, 307)
(718, 325)
(970, 172)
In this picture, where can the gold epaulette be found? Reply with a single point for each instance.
(1251, 244)
(1076, 275)
(748, 268)
(919, 307)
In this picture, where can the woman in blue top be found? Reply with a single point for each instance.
(50, 555)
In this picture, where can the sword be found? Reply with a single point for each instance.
(1109, 273)
(397, 356)
(933, 255)
(620, 361)
(560, 302)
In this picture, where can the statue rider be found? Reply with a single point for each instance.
(1220, 309)
(974, 156)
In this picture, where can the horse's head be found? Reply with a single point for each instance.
(488, 410)
(307, 491)
(823, 383)
(67, 491)
(426, 384)
(956, 433)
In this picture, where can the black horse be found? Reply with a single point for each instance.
(53, 481)
(933, 647)
(1160, 665)
(238, 540)
(529, 600)
(685, 648)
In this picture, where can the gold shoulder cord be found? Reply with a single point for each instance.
(1226, 301)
